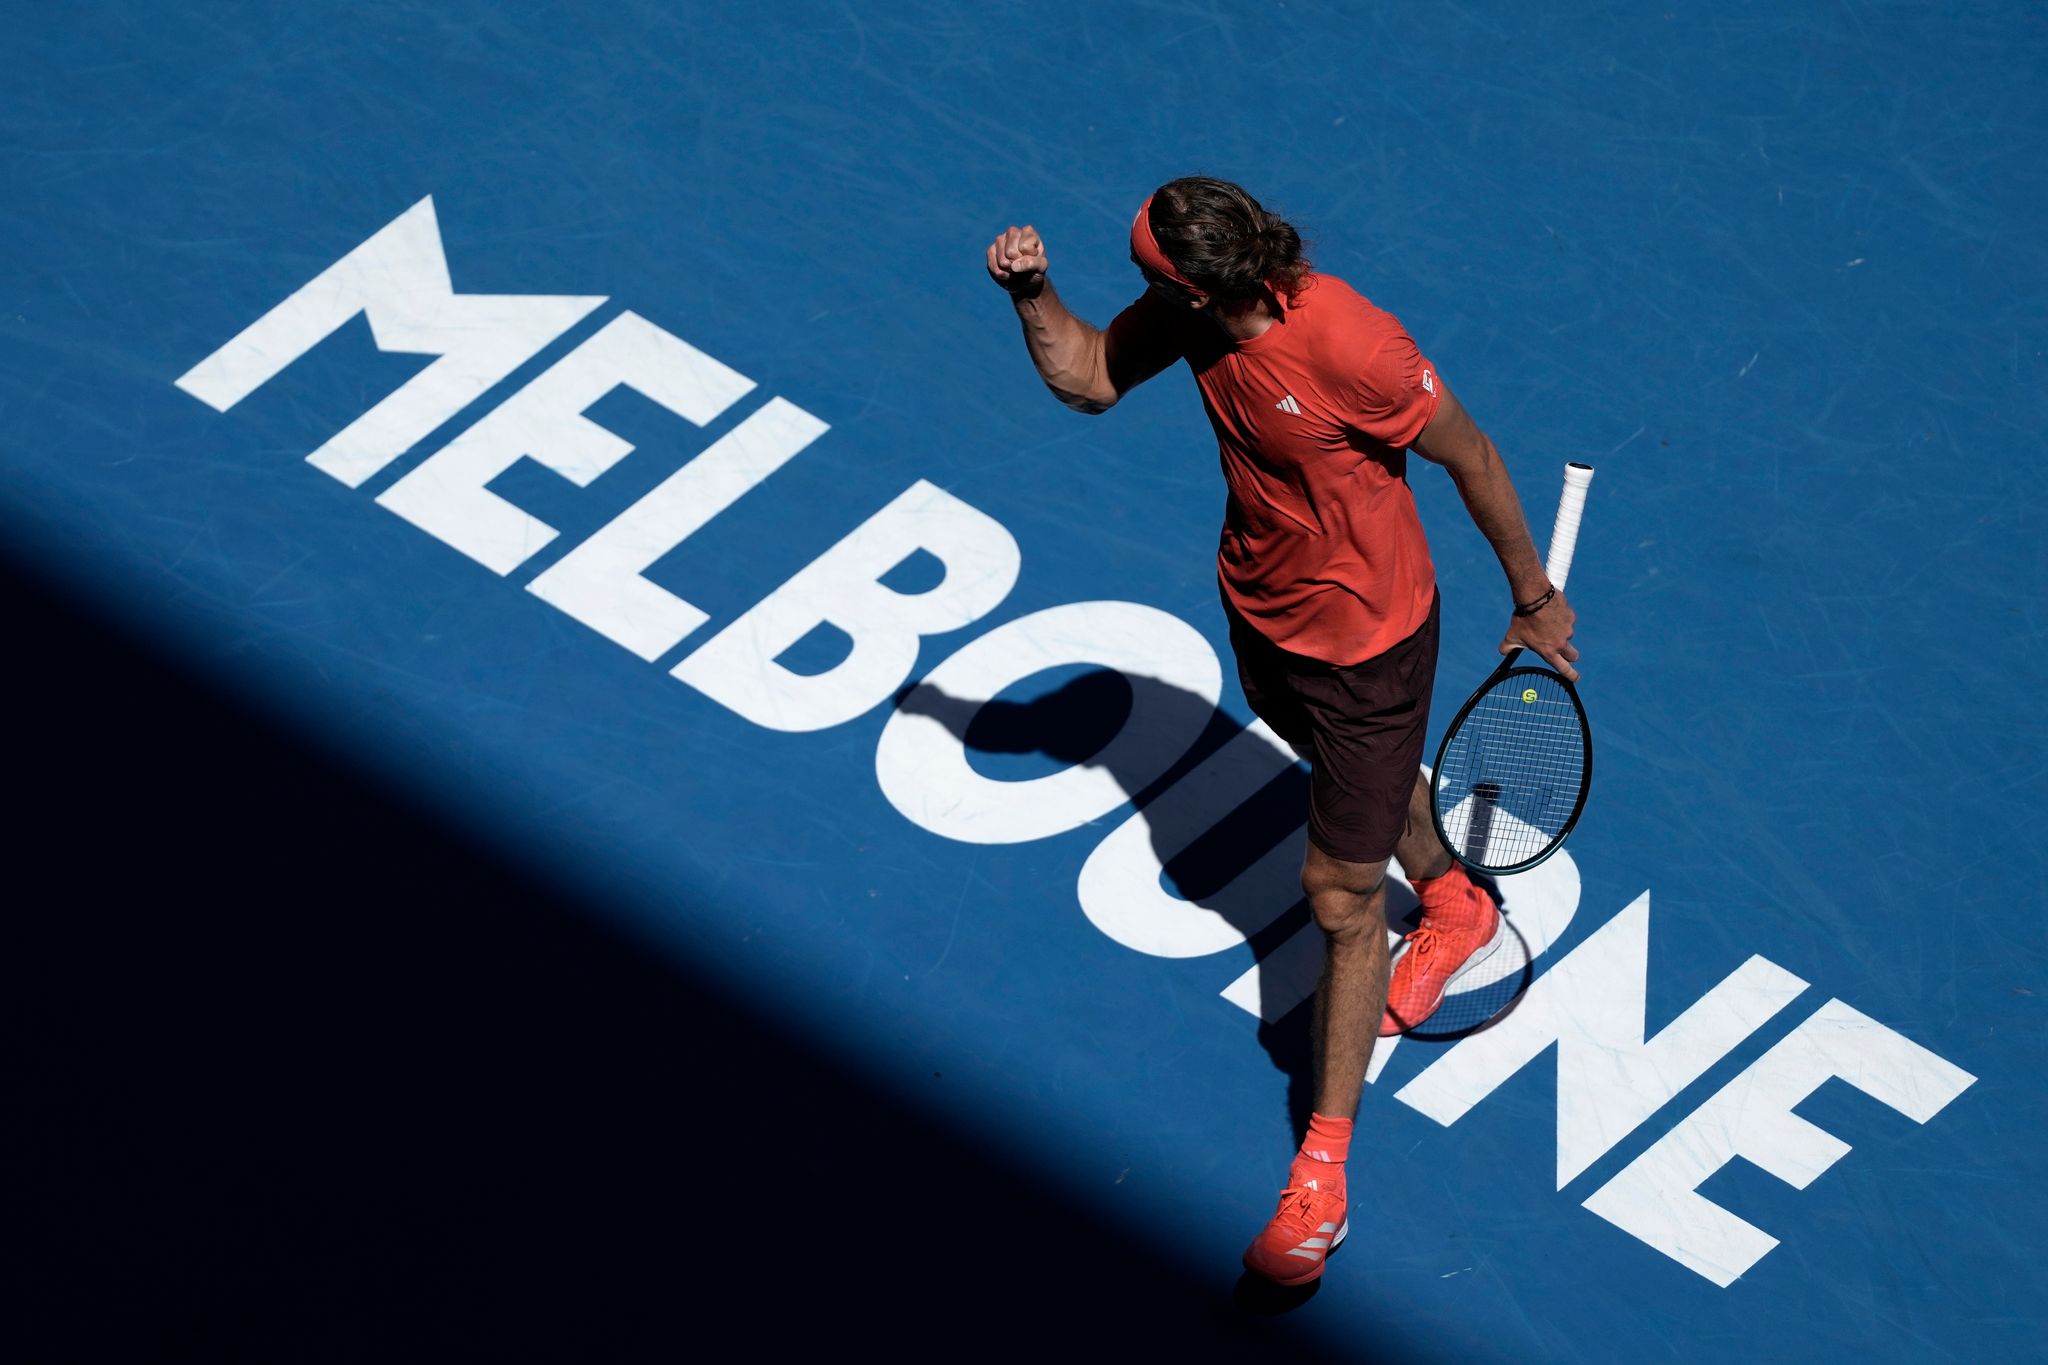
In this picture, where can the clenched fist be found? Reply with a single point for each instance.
(1016, 261)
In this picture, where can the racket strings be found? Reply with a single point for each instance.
(1512, 775)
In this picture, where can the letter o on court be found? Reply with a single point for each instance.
(922, 762)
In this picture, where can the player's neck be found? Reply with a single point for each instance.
(1247, 320)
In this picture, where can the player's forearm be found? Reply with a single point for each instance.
(1067, 352)
(1490, 498)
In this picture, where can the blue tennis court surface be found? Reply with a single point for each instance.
(611, 778)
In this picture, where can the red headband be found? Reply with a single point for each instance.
(1146, 248)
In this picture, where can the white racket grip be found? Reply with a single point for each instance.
(1564, 534)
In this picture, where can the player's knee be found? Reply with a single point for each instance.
(1344, 898)
(1343, 914)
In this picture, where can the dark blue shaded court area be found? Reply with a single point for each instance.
(428, 1105)
(436, 937)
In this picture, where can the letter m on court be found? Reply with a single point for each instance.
(399, 281)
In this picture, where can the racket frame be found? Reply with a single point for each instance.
(1510, 669)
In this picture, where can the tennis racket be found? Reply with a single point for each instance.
(1512, 774)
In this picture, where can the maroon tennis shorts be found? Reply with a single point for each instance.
(1364, 724)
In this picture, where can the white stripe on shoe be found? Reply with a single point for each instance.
(1314, 1248)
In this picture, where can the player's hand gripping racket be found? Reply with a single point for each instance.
(1515, 766)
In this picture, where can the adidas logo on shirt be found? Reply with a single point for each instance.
(1288, 404)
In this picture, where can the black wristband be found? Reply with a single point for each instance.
(1530, 608)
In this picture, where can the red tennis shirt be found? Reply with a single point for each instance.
(1322, 550)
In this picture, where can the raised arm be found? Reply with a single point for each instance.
(1086, 368)
(1452, 439)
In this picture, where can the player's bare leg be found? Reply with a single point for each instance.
(1349, 902)
(1421, 852)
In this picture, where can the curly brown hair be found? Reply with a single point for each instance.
(1224, 241)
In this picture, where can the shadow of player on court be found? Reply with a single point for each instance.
(1074, 724)
(1206, 862)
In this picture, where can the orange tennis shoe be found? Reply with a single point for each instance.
(1459, 930)
(1307, 1228)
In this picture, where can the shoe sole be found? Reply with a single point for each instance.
(1315, 1272)
(1479, 955)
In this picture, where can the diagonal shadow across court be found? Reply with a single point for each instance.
(311, 1074)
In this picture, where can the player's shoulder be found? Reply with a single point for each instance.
(1336, 304)
(1349, 329)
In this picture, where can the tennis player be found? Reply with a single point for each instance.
(1316, 396)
